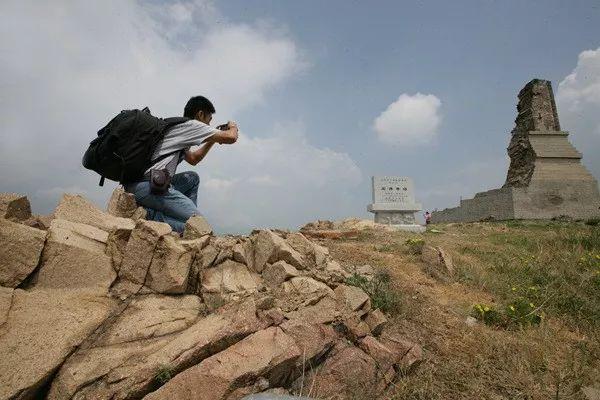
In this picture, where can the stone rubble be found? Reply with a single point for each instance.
(108, 307)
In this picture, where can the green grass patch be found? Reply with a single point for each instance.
(379, 289)
(561, 263)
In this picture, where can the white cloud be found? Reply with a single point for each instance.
(580, 90)
(411, 120)
(578, 99)
(281, 180)
(67, 67)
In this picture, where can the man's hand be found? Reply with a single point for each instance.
(228, 136)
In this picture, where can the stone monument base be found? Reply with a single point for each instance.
(574, 199)
(399, 221)
(408, 228)
(394, 217)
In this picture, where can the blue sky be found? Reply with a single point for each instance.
(305, 80)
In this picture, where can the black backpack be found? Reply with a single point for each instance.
(123, 150)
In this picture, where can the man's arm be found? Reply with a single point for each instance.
(229, 136)
(194, 157)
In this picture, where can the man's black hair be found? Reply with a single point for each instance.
(198, 103)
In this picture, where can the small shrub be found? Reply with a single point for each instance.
(522, 313)
(379, 290)
(519, 312)
(415, 245)
(163, 375)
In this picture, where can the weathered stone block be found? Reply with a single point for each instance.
(14, 207)
(20, 250)
(122, 204)
(74, 258)
(42, 329)
(229, 277)
(306, 285)
(269, 353)
(347, 374)
(275, 274)
(140, 250)
(170, 267)
(75, 208)
(116, 367)
(314, 340)
(352, 298)
(196, 227)
(439, 262)
(270, 248)
(376, 321)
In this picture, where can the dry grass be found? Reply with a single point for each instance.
(555, 266)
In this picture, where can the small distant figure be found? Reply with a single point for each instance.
(427, 217)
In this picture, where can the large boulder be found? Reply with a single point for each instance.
(20, 250)
(228, 281)
(324, 311)
(74, 258)
(127, 358)
(123, 204)
(152, 316)
(138, 254)
(270, 248)
(305, 285)
(42, 329)
(275, 274)
(408, 354)
(438, 262)
(196, 227)
(349, 373)
(314, 341)
(170, 266)
(303, 246)
(376, 321)
(76, 208)
(269, 353)
(352, 297)
(14, 207)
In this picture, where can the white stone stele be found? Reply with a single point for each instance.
(394, 203)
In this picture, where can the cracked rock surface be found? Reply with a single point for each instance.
(109, 307)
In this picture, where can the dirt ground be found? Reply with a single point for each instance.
(553, 263)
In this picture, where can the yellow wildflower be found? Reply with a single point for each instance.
(512, 308)
(514, 289)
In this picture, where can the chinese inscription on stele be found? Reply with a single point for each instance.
(392, 189)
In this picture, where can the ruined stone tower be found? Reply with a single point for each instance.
(545, 179)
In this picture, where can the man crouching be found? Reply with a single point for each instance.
(176, 201)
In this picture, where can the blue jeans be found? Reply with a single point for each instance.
(173, 207)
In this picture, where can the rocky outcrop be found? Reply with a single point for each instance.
(74, 257)
(20, 250)
(76, 208)
(42, 328)
(123, 204)
(114, 308)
